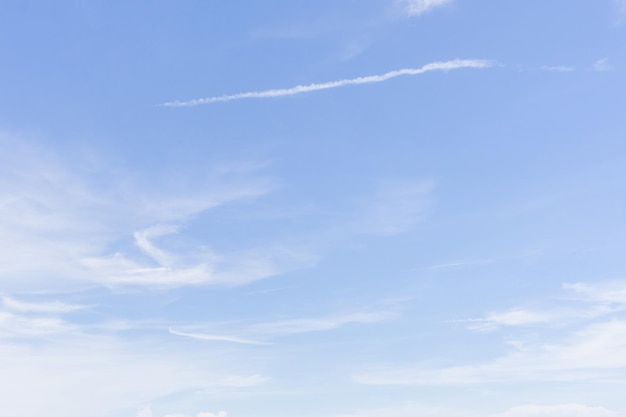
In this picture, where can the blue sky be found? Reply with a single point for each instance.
(322, 209)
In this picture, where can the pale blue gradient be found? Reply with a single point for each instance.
(443, 241)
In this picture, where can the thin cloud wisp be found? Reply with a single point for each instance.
(300, 89)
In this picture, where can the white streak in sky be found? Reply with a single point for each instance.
(602, 65)
(216, 338)
(300, 89)
(53, 307)
(558, 68)
(419, 7)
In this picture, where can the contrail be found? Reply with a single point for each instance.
(216, 338)
(300, 89)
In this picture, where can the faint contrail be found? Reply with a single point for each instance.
(300, 89)
(216, 338)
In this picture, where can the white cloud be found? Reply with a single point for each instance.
(602, 65)
(434, 66)
(143, 240)
(257, 334)
(220, 414)
(307, 325)
(593, 301)
(396, 208)
(407, 410)
(516, 317)
(61, 225)
(45, 307)
(19, 326)
(75, 377)
(245, 381)
(558, 68)
(620, 5)
(204, 267)
(595, 352)
(563, 410)
(530, 410)
(216, 338)
(103, 372)
(605, 293)
(419, 7)
(584, 348)
(463, 263)
(147, 412)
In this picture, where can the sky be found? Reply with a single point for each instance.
(278, 208)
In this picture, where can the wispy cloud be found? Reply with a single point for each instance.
(406, 410)
(62, 222)
(62, 227)
(588, 349)
(42, 307)
(396, 207)
(198, 266)
(419, 7)
(620, 6)
(133, 372)
(463, 263)
(144, 241)
(220, 414)
(244, 381)
(216, 338)
(529, 410)
(594, 353)
(570, 410)
(301, 89)
(613, 292)
(14, 326)
(147, 412)
(260, 333)
(558, 68)
(516, 317)
(319, 324)
(582, 301)
(602, 65)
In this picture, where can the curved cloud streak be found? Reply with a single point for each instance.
(216, 338)
(300, 89)
(419, 7)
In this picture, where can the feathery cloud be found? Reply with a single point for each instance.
(558, 68)
(46, 307)
(589, 349)
(602, 65)
(239, 381)
(569, 410)
(515, 317)
(529, 410)
(216, 338)
(18, 326)
(613, 292)
(319, 324)
(396, 207)
(300, 89)
(620, 6)
(419, 7)
(583, 302)
(62, 228)
(594, 353)
(256, 334)
(147, 412)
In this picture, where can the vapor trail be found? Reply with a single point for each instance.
(300, 89)
(216, 338)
